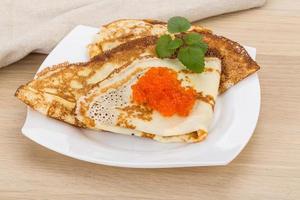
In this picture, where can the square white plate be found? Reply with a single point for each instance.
(236, 115)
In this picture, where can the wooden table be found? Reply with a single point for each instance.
(268, 168)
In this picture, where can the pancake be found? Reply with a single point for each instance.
(55, 90)
(109, 106)
(236, 63)
(122, 31)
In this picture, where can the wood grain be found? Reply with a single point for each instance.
(268, 168)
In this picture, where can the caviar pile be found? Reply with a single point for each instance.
(160, 90)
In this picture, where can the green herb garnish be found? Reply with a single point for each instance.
(174, 44)
(192, 38)
(189, 49)
(162, 45)
(189, 56)
(178, 24)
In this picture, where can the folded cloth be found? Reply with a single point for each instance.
(37, 26)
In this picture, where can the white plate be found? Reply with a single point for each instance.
(234, 122)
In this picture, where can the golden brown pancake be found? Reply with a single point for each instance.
(236, 62)
(55, 90)
(110, 106)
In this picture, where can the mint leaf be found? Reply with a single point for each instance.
(176, 43)
(203, 46)
(192, 38)
(192, 58)
(178, 24)
(162, 49)
(195, 40)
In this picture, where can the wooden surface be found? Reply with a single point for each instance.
(268, 168)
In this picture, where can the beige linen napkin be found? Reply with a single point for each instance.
(38, 25)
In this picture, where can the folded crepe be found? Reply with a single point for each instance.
(111, 104)
(236, 63)
(56, 90)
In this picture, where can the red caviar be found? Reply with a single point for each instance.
(160, 90)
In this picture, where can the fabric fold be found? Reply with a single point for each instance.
(37, 26)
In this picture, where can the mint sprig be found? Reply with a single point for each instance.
(189, 56)
(174, 44)
(189, 49)
(162, 47)
(192, 38)
(178, 24)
